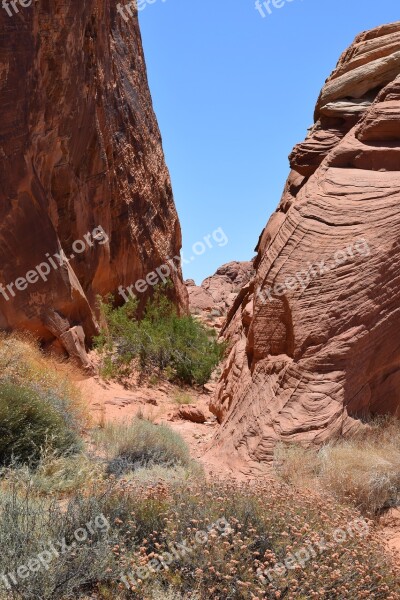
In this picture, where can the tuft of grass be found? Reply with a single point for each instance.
(178, 347)
(182, 398)
(296, 465)
(363, 470)
(58, 476)
(175, 475)
(141, 444)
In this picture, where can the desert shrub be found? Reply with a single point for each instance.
(141, 444)
(177, 346)
(260, 525)
(183, 398)
(23, 363)
(363, 470)
(296, 465)
(33, 421)
(222, 540)
(56, 475)
(366, 468)
(32, 527)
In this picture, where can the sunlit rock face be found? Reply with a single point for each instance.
(315, 334)
(80, 148)
(211, 301)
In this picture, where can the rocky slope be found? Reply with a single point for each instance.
(80, 155)
(212, 299)
(314, 335)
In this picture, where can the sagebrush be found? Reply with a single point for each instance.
(33, 421)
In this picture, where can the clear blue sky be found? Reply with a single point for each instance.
(233, 92)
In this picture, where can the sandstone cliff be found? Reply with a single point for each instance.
(79, 149)
(212, 300)
(314, 335)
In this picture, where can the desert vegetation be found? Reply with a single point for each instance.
(141, 444)
(129, 558)
(31, 422)
(39, 412)
(176, 346)
(362, 470)
(129, 515)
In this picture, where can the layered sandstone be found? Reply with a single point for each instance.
(79, 148)
(314, 344)
(212, 300)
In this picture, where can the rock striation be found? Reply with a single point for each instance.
(313, 336)
(80, 148)
(212, 300)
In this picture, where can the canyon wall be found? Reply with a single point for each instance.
(80, 150)
(211, 301)
(314, 336)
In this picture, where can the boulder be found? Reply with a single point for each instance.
(191, 413)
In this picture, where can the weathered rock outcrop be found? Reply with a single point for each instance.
(212, 299)
(79, 149)
(315, 334)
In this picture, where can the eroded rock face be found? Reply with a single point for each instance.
(212, 299)
(314, 335)
(79, 149)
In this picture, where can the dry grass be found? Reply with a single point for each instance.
(156, 474)
(141, 444)
(363, 470)
(183, 398)
(58, 476)
(23, 363)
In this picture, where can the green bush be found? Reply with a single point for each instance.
(23, 363)
(142, 444)
(177, 346)
(32, 421)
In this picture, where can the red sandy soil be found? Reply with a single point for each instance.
(111, 401)
(390, 524)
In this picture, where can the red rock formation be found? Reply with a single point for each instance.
(215, 296)
(315, 335)
(191, 413)
(80, 148)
